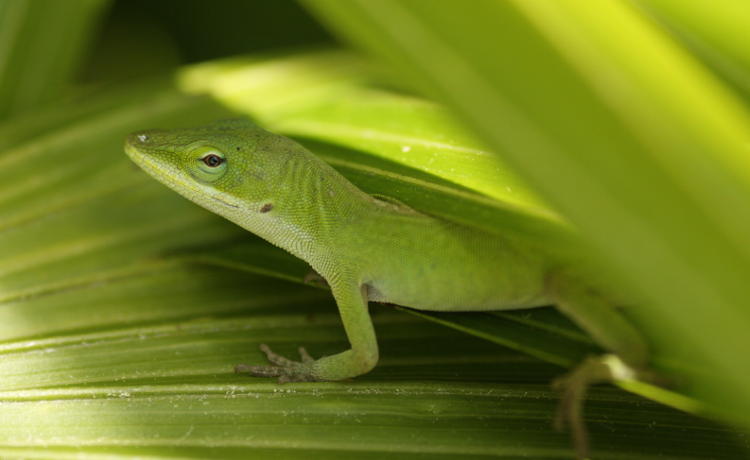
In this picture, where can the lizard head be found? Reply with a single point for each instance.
(223, 166)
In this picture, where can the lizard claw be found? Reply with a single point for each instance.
(285, 369)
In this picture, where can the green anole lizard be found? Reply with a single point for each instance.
(368, 248)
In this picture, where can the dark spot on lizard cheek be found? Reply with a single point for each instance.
(238, 149)
(266, 207)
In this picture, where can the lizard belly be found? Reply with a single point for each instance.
(440, 294)
(459, 273)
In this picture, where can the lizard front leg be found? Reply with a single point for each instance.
(351, 298)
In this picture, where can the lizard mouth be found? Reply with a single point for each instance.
(226, 203)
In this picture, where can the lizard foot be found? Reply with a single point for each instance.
(573, 386)
(285, 369)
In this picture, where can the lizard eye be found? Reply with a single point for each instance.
(210, 164)
(212, 160)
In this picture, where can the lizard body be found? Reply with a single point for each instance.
(366, 248)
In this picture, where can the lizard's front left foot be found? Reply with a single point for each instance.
(285, 369)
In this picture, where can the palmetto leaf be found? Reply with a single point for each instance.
(123, 307)
(39, 51)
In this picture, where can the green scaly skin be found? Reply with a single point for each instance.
(366, 248)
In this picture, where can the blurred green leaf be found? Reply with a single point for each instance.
(123, 308)
(716, 35)
(41, 45)
(623, 131)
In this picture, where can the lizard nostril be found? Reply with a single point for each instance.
(138, 138)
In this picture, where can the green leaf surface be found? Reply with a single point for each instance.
(623, 131)
(716, 34)
(123, 309)
(41, 44)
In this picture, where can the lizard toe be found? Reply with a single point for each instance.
(285, 369)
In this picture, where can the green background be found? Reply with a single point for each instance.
(612, 135)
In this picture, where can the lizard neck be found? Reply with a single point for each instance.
(308, 204)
